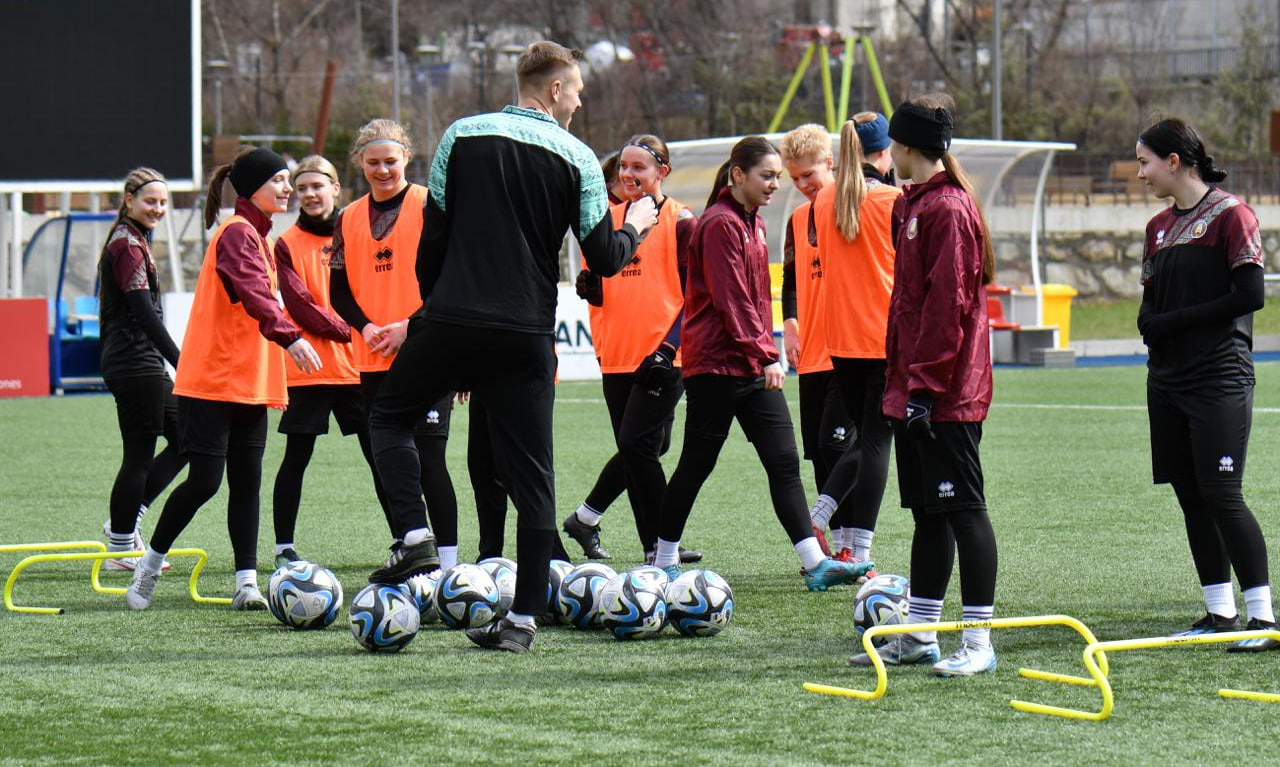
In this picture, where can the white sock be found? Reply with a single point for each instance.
(416, 536)
(246, 578)
(668, 553)
(153, 560)
(922, 610)
(978, 639)
(810, 553)
(142, 509)
(448, 556)
(280, 547)
(520, 619)
(588, 516)
(1219, 599)
(861, 540)
(823, 508)
(1257, 603)
(120, 541)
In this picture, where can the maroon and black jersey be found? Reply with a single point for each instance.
(1188, 260)
(126, 266)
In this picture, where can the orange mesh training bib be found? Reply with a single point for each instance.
(857, 276)
(810, 297)
(310, 254)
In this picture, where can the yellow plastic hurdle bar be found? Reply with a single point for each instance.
(1096, 663)
(97, 557)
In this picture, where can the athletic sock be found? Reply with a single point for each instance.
(922, 610)
(246, 578)
(668, 554)
(120, 541)
(415, 536)
(823, 509)
(142, 509)
(588, 516)
(448, 557)
(810, 553)
(153, 560)
(1257, 603)
(521, 619)
(978, 639)
(1219, 599)
(861, 540)
(280, 547)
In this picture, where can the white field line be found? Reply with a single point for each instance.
(997, 405)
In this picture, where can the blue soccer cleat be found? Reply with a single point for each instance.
(832, 572)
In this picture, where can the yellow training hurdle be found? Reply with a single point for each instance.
(97, 557)
(1096, 663)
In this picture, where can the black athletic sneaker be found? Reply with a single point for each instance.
(1211, 624)
(286, 558)
(502, 634)
(1261, 644)
(688, 556)
(588, 537)
(407, 561)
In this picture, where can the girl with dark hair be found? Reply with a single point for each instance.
(635, 328)
(231, 371)
(135, 347)
(1201, 282)
(731, 365)
(853, 224)
(938, 385)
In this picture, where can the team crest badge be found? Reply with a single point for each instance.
(1159, 238)
(913, 228)
(1198, 228)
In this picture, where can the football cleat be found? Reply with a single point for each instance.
(407, 561)
(248, 597)
(1211, 624)
(502, 634)
(831, 572)
(966, 661)
(588, 537)
(138, 595)
(902, 650)
(1259, 644)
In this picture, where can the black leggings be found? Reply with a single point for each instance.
(1223, 533)
(714, 401)
(143, 476)
(937, 537)
(287, 496)
(858, 479)
(243, 466)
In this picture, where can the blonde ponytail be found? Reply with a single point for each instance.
(851, 187)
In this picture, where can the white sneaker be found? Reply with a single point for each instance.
(138, 545)
(248, 597)
(967, 661)
(902, 650)
(138, 595)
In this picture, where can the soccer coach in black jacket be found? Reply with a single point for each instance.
(504, 188)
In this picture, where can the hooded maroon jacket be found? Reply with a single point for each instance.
(937, 337)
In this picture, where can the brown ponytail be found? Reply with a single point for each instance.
(958, 177)
(213, 197)
(851, 187)
(721, 181)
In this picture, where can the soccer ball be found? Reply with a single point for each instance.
(421, 588)
(555, 576)
(632, 605)
(881, 601)
(699, 603)
(466, 597)
(503, 573)
(652, 574)
(384, 618)
(579, 598)
(304, 595)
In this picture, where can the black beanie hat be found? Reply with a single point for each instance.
(921, 127)
(255, 169)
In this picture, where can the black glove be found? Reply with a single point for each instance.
(919, 409)
(1157, 328)
(658, 370)
(590, 287)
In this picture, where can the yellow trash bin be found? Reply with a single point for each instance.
(1057, 309)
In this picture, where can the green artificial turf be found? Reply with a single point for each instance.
(1081, 529)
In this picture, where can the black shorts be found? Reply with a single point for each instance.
(1201, 433)
(434, 422)
(310, 406)
(713, 401)
(943, 474)
(210, 427)
(145, 405)
(824, 422)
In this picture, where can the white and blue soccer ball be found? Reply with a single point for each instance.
(632, 605)
(466, 597)
(304, 595)
(421, 588)
(880, 601)
(384, 618)
(503, 573)
(655, 575)
(579, 599)
(558, 569)
(699, 603)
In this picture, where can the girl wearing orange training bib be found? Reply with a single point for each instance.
(231, 371)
